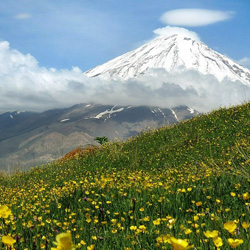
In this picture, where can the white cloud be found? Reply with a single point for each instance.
(26, 86)
(168, 31)
(195, 17)
(245, 62)
(22, 16)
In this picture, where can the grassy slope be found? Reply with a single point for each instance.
(163, 172)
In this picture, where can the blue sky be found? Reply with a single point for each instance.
(85, 33)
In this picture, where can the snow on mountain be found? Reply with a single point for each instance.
(108, 112)
(14, 114)
(65, 120)
(177, 119)
(175, 54)
(191, 110)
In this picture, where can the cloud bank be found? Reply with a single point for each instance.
(194, 17)
(26, 86)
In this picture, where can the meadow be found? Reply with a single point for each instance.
(181, 187)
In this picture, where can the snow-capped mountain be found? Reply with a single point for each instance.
(174, 53)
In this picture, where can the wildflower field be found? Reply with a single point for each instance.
(181, 187)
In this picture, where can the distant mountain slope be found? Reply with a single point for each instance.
(32, 138)
(176, 53)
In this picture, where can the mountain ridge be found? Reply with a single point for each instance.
(28, 138)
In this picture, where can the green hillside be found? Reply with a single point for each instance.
(180, 187)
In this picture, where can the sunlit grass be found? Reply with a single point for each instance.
(181, 187)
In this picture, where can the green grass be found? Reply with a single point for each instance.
(194, 175)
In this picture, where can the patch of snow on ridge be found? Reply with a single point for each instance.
(190, 110)
(175, 115)
(108, 112)
(162, 112)
(65, 120)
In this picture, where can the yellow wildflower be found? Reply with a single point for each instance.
(157, 221)
(142, 228)
(218, 241)
(245, 225)
(8, 241)
(146, 218)
(211, 234)
(133, 228)
(188, 231)
(179, 244)
(63, 242)
(230, 226)
(246, 196)
(163, 239)
(83, 242)
(198, 204)
(4, 212)
(91, 247)
(171, 222)
(234, 243)
(196, 218)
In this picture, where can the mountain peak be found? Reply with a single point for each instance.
(175, 54)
